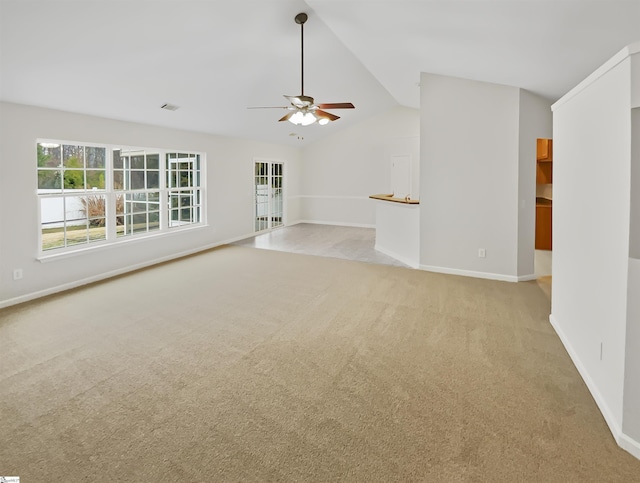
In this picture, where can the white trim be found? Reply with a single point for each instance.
(50, 256)
(630, 445)
(336, 223)
(625, 442)
(400, 258)
(333, 197)
(599, 72)
(114, 273)
(470, 273)
(593, 389)
(527, 278)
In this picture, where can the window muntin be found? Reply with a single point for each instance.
(94, 193)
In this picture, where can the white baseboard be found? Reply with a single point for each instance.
(336, 223)
(624, 441)
(400, 258)
(470, 273)
(630, 445)
(527, 278)
(103, 276)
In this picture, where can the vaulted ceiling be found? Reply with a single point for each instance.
(213, 59)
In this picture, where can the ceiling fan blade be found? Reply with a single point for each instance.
(326, 115)
(286, 116)
(337, 105)
(300, 101)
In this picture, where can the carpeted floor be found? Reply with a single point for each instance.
(241, 364)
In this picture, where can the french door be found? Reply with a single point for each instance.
(269, 199)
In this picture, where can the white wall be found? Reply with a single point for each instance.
(631, 403)
(229, 195)
(631, 408)
(536, 121)
(591, 132)
(470, 176)
(341, 171)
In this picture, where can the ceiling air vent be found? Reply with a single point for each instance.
(169, 107)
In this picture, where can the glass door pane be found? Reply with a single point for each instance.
(268, 195)
(261, 195)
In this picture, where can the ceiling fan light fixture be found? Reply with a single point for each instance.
(303, 111)
(303, 118)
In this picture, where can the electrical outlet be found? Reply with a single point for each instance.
(482, 253)
(17, 273)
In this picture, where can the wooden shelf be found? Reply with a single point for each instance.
(390, 197)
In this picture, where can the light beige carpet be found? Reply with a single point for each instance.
(241, 364)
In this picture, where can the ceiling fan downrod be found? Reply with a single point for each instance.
(301, 18)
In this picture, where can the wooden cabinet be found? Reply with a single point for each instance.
(544, 151)
(544, 164)
(544, 172)
(544, 176)
(543, 225)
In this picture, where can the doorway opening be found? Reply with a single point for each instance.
(544, 212)
(268, 195)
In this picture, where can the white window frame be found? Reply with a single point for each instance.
(112, 238)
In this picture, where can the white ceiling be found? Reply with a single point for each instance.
(124, 59)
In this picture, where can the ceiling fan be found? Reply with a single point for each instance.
(302, 109)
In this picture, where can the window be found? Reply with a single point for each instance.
(100, 194)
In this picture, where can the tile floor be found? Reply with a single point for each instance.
(347, 242)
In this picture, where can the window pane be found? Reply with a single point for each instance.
(73, 179)
(49, 155)
(99, 232)
(118, 180)
(153, 161)
(95, 157)
(139, 222)
(153, 179)
(72, 156)
(139, 207)
(185, 201)
(52, 222)
(94, 206)
(95, 179)
(137, 162)
(49, 179)
(75, 210)
(154, 221)
(185, 214)
(185, 179)
(117, 160)
(77, 234)
(137, 180)
(172, 179)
